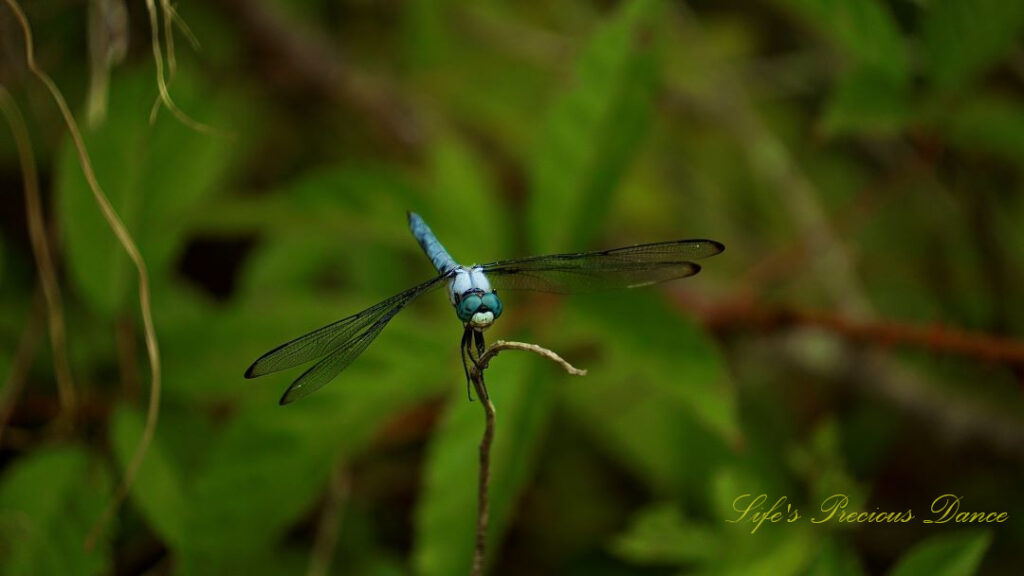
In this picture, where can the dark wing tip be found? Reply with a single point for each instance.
(250, 372)
(288, 397)
(718, 246)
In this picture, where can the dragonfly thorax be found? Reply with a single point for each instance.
(476, 304)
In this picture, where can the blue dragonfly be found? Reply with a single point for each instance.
(472, 291)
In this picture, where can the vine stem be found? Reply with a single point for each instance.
(484, 480)
(126, 241)
(43, 253)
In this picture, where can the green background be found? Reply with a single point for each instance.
(860, 160)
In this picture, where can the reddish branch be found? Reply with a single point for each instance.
(747, 315)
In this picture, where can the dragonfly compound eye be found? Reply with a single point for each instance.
(493, 303)
(468, 307)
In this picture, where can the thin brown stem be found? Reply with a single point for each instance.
(22, 362)
(127, 357)
(126, 241)
(327, 527)
(43, 256)
(484, 479)
(940, 339)
(161, 77)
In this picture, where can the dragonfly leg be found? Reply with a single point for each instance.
(464, 351)
(478, 339)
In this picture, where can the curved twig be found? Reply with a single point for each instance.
(161, 77)
(326, 537)
(21, 363)
(125, 238)
(43, 256)
(477, 376)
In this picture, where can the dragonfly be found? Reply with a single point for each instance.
(473, 292)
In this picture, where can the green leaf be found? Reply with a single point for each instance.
(836, 559)
(864, 30)
(446, 514)
(658, 397)
(425, 34)
(873, 96)
(49, 500)
(269, 561)
(787, 551)
(269, 466)
(671, 350)
(152, 174)
(954, 554)
(988, 123)
(158, 490)
(867, 101)
(662, 535)
(262, 473)
(593, 131)
(466, 215)
(963, 38)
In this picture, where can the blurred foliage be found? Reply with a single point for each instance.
(803, 134)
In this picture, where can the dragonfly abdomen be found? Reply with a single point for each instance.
(442, 261)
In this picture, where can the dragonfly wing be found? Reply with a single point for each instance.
(326, 369)
(628, 267)
(355, 332)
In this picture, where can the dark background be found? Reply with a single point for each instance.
(861, 334)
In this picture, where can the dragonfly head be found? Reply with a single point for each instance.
(479, 309)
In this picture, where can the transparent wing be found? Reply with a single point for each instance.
(338, 344)
(628, 267)
(326, 369)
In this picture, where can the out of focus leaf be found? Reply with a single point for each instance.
(157, 490)
(864, 31)
(789, 552)
(954, 554)
(211, 368)
(152, 174)
(661, 535)
(836, 559)
(331, 211)
(261, 474)
(988, 123)
(873, 97)
(592, 132)
(272, 462)
(933, 231)
(49, 500)
(821, 463)
(425, 33)
(661, 400)
(465, 212)
(867, 101)
(963, 38)
(446, 513)
(671, 350)
(267, 561)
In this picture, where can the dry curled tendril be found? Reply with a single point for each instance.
(476, 374)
